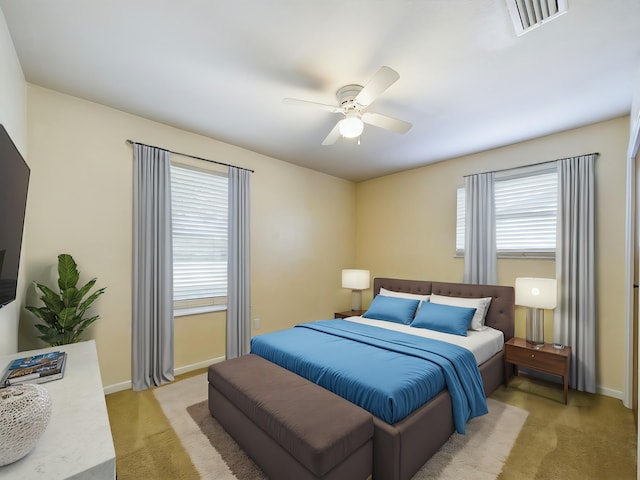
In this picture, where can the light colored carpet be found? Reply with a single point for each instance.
(478, 455)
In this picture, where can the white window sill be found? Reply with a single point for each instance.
(183, 312)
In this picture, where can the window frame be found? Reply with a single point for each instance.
(514, 175)
(215, 302)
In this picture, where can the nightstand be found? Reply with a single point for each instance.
(348, 313)
(545, 359)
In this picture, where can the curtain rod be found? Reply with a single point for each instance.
(131, 142)
(534, 164)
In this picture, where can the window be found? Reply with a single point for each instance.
(526, 202)
(199, 215)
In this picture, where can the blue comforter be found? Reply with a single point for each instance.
(388, 373)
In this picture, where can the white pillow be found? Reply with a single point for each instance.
(410, 296)
(480, 304)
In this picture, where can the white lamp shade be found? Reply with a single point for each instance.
(351, 127)
(355, 279)
(537, 292)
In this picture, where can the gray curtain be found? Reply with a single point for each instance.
(575, 316)
(239, 268)
(152, 324)
(480, 229)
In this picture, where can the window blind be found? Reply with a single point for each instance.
(199, 202)
(526, 203)
(526, 211)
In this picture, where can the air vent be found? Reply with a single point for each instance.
(530, 14)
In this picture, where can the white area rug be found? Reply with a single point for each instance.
(478, 455)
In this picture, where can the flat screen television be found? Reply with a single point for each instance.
(14, 182)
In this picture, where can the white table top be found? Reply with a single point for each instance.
(77, 443)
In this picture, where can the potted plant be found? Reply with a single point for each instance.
(63, 313)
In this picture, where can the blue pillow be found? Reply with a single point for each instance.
(392, 309)
(444, 318)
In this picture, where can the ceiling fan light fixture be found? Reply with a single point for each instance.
(353, 101)
(351, 127)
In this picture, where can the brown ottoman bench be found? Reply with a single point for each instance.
(291, 427)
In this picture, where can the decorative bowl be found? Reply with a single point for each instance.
(25, 411)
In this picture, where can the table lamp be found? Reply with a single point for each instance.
(537, 294)
(356, 280)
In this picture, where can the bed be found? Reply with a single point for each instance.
(403, 441)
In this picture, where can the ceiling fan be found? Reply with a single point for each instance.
(353, 101)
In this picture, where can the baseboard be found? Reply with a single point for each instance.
(609, 392)
(196, 366)
(117, 387)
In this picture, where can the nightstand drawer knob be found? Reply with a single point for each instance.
(533, 355)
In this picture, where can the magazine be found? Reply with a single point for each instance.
(40, 368)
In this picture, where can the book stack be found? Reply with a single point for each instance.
(41, 368)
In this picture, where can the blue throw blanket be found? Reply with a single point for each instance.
(388, 373)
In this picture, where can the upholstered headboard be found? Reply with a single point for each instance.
(501, 313)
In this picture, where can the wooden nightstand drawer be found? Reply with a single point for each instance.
(539, 360)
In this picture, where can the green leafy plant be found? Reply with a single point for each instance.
(63, 312)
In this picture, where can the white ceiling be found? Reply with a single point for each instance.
(221, 68)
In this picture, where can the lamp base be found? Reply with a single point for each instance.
(535, 326)
(356, 300)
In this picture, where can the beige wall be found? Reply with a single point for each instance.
(406, 227)
(13, 115)
(302, 229)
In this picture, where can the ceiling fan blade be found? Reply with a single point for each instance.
(322, 106)
(383, 79)
(386, 122)
(333, 136)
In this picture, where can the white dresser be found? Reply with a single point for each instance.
(77, 443)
